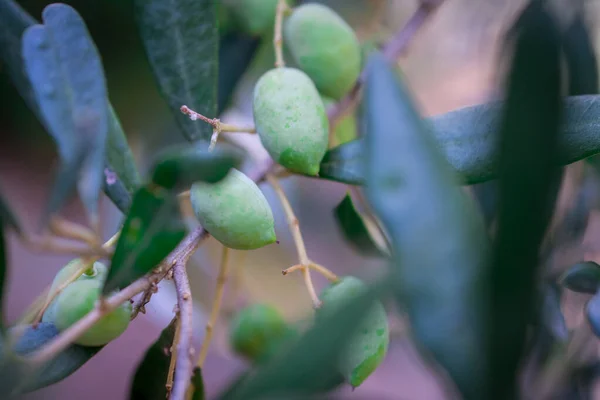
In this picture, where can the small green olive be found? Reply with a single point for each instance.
(368, 347)
(290, 119)
(259, 331)
(345, 130)
(234, 211)
(325, 47)
(77, 300)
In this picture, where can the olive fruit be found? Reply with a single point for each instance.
(368, 346)
(234, 211)
(255, 17)
(290, 119)
(77, 300)
(345, 129)
(259, 331)
(325, 47)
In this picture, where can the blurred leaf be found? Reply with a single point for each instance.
(592, 313)
(552, 316)
(236, 51)
(581, 58)
(529, 147)
(198, 382)
(118, 154)
(583, 277)
(3, 274)
(181, 40)
(153, 228)
(116, 190)
(440, 244)
(486, 194)
(355, 229)
(309, 365)
(13, 372)
(7, 216)
(65, 71)
(151, 374)
(467, 138)
(181, 165)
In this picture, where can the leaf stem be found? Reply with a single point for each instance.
(294, 227)
(281, 9)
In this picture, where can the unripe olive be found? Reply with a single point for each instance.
(325, 47)
(368, 346)
(234, 211)
(290, 119)
(255, 17)
(259, 331)
(345, 129)
(77, 300)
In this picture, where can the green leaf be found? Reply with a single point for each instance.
(198, 382)
(181, 165)
(66, 73)
(119, 156)
(181, 40)
(153, 228)
(151, 374)
(581, 58)
(440, 244)
(344, 163)
(7, 216)
(3, 274)
(529, 146)
(358, 230)
(115, 189)
(309, 365)
(583, 277)
(592, 313)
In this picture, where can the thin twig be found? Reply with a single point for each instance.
(71, 230)
(391, 50)
(282, 7)
(294, 227)
(184, 364)
(58, 245)
(173, 360)
(139, 307)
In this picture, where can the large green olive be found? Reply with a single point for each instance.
(77, 300)
(345, 129)
(259, 331)
(234, 211)
(325, 47)
(290, 119)
(368, 346)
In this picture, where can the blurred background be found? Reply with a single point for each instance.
(453, 62)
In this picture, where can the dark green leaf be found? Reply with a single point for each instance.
(310, 364)
(529, 147)
(592, 313)
(467, 138)
(181, 39)
(198, 382)
(151, 374)
(116, 190)
(64, 68)
(581, 58)
(181, 165)
(236, 51)
(7, 216)
(3, 275)
(119, 156)
(355, 229)
(153, 228)
(583, 277)
(440, 245)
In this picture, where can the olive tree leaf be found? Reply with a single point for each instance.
(582, 277)
(580, 57)
(181, 39)
(115, 189)
(344, 163)
(181, 165)
(529, 177)
(3, 273)
(153, 228)
(431, 221)
(309, 365)
(592, 313)
(8, 217)
(66, 73)
(198, 384)
(358, 230)
(119, 156)
(151, 373)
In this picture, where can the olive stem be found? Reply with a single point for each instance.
(294, 226)
(282, 7)
(71, 230)
(173, 360)
(392, 49)
(317, 267)
(57, 245)
(214, 313)
(183, 341)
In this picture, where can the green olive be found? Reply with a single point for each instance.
(290, 119)
(259, 331)
(345, 129)
(325, 47)
(255, 17)
(77, 300)
(368, 346)
(234, 211)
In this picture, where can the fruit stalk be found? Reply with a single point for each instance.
(282, 7)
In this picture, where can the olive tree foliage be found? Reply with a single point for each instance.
(468, 272)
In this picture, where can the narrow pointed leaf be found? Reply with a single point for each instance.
(117, 192)
(344, 163)
(583, 277)
(181, 39)
(181, 165)
(151, 374)
(153, 228)
(440, 245)
(119, 156)
(198, 384)
(529, 146)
